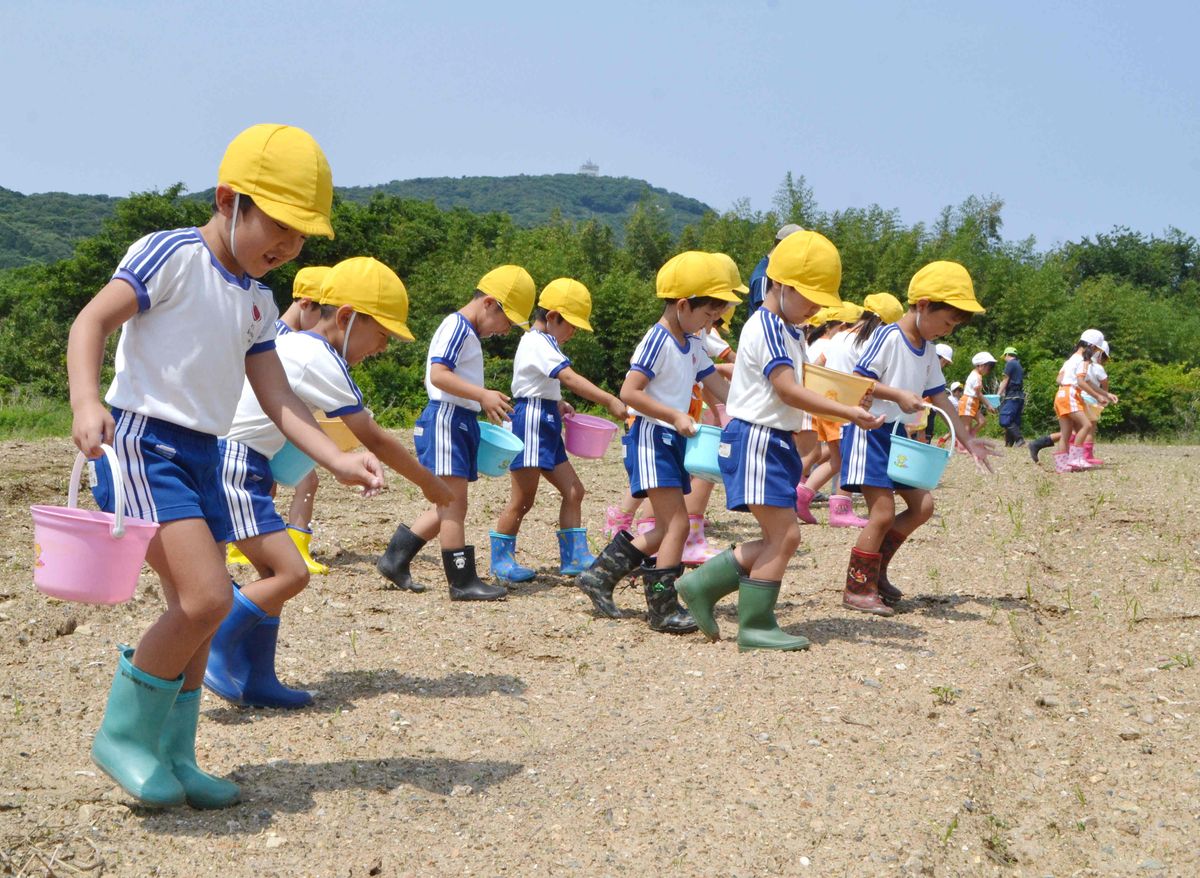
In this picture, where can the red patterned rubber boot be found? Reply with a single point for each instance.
(862, 578)
(892, 541)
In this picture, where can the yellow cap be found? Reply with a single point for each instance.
(370, 287)
(848, 312)
(308, 280)
(886, 305)
(569, 298)
(823, 316)
(283, 169)
(513, 288)
(947, 282)
(808, 262)
(694, 273)
(735, 276)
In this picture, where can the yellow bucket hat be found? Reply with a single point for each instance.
(809, 263)
(513, 288)
(694, 273)
(308, 280)
(886, 305)
(944, 281)
(735, 276)
(823, 316)
(369, 287)
(569, 298)
(848, 312)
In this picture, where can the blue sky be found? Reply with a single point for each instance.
(1080, 116)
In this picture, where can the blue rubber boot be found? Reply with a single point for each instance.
(228, 665)
(263, 688)
(504, 562)
(126, 747)
(178, 747)
(573, 551)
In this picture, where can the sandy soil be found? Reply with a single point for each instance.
(1033, 712)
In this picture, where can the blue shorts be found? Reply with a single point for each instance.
(170, 473)
(865, 457)
(447, 440)
(246, 481)
(759, 465)
(538, 423)
(654, 458)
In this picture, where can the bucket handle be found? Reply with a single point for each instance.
(114, 465)
(945, 417)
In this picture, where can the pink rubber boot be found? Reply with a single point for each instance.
(615, 520)
(804, 496)
(1076, 460)
(696, 549)
(1089, 454)
(841, 513)
(1061, 463)
(645, 526)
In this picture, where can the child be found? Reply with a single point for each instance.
(1069, 406)
(902, 358)
(925, 420)
(363, 306)
(447, 432)
(539, 368)
(760, 464)
(1098, 377)
(194, 325)
(304, 312)
(657, 388)
(970, 406)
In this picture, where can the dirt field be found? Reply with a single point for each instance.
(1033, 712)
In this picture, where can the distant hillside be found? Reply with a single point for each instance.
(45, 227)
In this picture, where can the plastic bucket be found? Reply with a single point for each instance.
(916, 464)
(343, 436)
(587, 435)
(497, 448)
(992, 399)
(85, 556)
(839, 386)
(1092, 407)
(290, 465)
(700, 454)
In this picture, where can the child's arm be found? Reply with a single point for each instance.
(716, 384)
(580, 386)
(92, 423)
(634, 395)
(280, 403)
(493, 402)
(908, 401)
(392, 452)
(783, 379)
(981, 449)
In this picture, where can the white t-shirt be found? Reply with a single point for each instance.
(974, 385)
(890, 359)
(182, 357)
(536, 365)
(671, 368)
(1068, 373)
(766, 343)
(455, 345)
(714, 345)
(1097, 374)
(317, 374)
(842, 351)
(817, 348)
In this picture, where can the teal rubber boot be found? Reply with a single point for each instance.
(573, 552)
(504, 559)
(178, 748)
(700, 589)
(757, 626)
(126, 747)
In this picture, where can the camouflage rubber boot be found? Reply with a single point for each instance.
(892, 541)
(662, 602)
(619, 558)
(862, 577)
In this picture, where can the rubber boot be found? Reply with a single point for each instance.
(303, 540)
(616, 520)
(573, 552)
(1075, 458)
(1089, 454)
(263, 688)
(1037, 445)
(862, 584)
(701, 588)
(228, 664)
(662, 602)
(757, 625)
(695, 548)
(393, 564)
(178, 747)
(892, 541)
(127, 746)
(504, 562)
(841, 513)
(804, 496)
(1062, 463)
(619, 558)
(233, 555)
(465, 584)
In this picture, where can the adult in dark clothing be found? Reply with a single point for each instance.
(758, 277)
(1012, 398)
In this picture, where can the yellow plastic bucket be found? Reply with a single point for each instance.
(839, 386)
(337, 430)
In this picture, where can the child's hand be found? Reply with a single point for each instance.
(436, 491)
(565, 408)
(868, 398)
(981, 450)
(92, 425)
(865, 420)
(617, 409)
(1112, 399)
(909, 402)
(359, 469)
(495, 406)
(684, 424)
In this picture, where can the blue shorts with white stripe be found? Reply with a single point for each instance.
(759, 465)
(538, 423)
(447, 440)
(865, 458)
(654, 458)
(246, 480)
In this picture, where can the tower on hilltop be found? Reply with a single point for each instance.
(589, 169)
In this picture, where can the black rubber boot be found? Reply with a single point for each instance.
(662, 602)
(1037, 445)
(393, 564)
(465, 584)
(617, 561)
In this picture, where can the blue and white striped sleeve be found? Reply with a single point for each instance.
(649, 350)
(776, 350)
(448, 341)
(871, 363)
(142, 265)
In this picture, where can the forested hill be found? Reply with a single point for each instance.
(45, 227)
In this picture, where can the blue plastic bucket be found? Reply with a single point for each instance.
(700, 454)
(290, 465)
(497, 448)
(916, 464)
(992, 399)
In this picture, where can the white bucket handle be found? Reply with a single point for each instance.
(114, 465)
(946, 417)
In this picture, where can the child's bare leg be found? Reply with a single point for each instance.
(780, 539)
(631, 504)
(1065, 427)
(566, 481)
(301, 510)
(697, 501)
(881, 515)
(284, 574)
(451, 532)
(524, 492)
(667, 537)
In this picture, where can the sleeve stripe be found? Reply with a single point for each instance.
(875, 344)
(151, 260)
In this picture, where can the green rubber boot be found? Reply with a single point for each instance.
(126, 747)
(178, 747)
(700, 589)
(757, 627)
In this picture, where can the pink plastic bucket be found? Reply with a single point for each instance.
(89, 557)
(588, 435)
